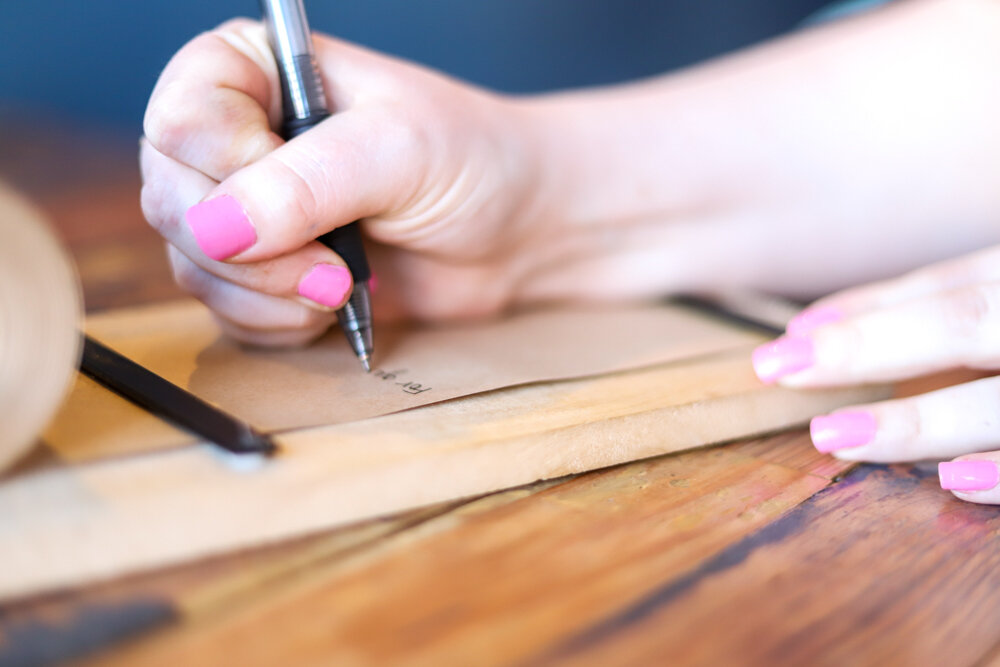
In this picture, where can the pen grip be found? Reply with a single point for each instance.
(346, 240)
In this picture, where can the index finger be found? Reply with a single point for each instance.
(216, 101)
(948, 330)
(976, 268)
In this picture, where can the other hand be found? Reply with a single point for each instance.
(942, 317)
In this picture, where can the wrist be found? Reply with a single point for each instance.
(624, 191)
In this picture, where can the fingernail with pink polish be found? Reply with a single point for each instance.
(782, 357)
(842, 429)
(326, 284)
(221, 227)
(968, 475)
(811, 318)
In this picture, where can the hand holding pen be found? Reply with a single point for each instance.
(441, 174)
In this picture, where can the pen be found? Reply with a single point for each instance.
(304, 105)
(168, 401)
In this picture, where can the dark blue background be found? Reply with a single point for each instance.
(97, 60)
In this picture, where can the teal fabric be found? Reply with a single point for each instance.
(96, 61)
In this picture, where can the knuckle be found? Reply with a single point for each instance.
(272, 277)
(245, 37)
(154, 201)
(312, 320)
(844, 351)
(968, 310)
(250, 144)
(302, 180)
(910, 420)
(169, 120)
(407, 137)
(189, 277)
(261, 277)
(171, 111)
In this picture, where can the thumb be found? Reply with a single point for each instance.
(354, 164)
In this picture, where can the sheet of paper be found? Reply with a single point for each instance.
(281, 390)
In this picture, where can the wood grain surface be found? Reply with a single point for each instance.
(80, 523)
(759, 552)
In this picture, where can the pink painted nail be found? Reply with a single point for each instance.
(968, 475)
(373, 283)
(782, 357)
(811, 318)
(221, 227)
(326, 284)
(842, 429)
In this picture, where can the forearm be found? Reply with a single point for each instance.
(826, 158)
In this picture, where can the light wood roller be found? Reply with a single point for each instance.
(40, 315)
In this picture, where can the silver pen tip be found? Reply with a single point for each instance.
(356, 321)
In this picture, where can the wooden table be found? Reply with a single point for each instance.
(759, 552)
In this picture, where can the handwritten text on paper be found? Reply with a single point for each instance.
(408, 386)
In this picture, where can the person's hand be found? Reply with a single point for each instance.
(441, 173)
(942, 317)
(793, 167)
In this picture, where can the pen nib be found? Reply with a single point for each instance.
(356, 321)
